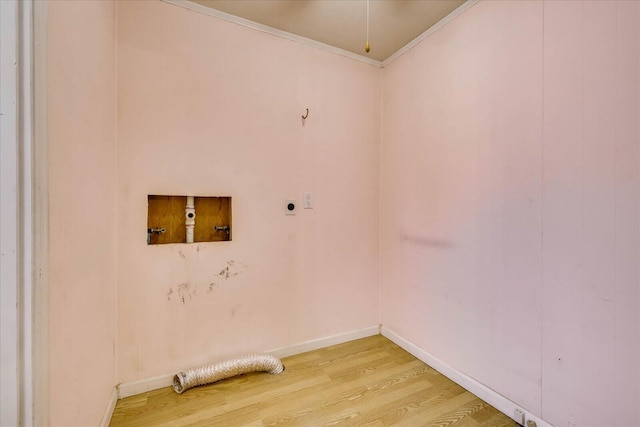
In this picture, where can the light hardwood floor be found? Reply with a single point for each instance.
(367, 382)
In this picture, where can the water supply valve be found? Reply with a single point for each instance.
(222, 228)
(151, 231)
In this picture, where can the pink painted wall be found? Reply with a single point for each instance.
(505, 183)
(211, 108)
(82, 210)
(509, 194)
(590, 214)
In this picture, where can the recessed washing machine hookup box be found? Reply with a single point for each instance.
(167, 215)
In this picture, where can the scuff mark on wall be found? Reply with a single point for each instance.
(186, 291)
(428, 241)
(232, 269)
(235, 309)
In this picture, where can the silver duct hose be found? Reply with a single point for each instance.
(207, 374)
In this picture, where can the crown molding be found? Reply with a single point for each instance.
(435, 27)
(195, 7)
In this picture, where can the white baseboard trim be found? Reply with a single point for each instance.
(494, 399)
(166, 380)
(111, 405)
(142, 386)
(325, 342)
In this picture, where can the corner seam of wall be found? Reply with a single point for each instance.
(115, 196)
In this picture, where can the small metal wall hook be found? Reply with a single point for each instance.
(305, 116)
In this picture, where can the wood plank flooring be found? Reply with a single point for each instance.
(367, 382)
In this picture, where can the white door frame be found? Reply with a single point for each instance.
(9, 214)
(23, 214)
(39, 393)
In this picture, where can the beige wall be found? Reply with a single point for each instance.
(509, 199)
(211, 108)
(82, 209)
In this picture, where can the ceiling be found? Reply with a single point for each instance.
(343, 23)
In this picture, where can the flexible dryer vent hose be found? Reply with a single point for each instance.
(207, 374)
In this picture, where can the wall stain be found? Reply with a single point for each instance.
(225, 273)
(185, 290)
(235, 309)
(428, 242)
(231, 270)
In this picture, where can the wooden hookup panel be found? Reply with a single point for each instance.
(166, 219)
(166, 212)
(212, 212)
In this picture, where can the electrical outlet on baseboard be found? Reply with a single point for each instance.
(518, 416)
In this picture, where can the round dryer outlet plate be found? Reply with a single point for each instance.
(290, 207)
